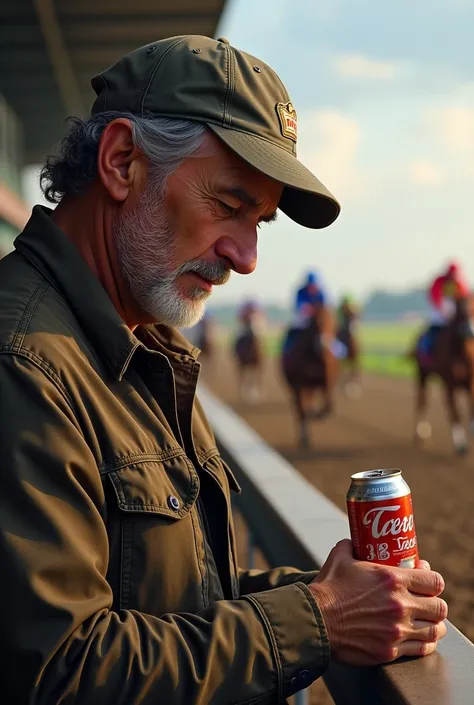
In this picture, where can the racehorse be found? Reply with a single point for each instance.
(250, 356)
(347, 336)
(309, 364)
(452, 360)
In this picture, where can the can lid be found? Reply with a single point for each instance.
(377, 473)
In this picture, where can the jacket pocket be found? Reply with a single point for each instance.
(169, 487)
(158, 548)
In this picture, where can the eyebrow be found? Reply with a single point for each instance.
(250, 201)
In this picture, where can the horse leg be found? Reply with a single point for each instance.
(422, 425)
(327, 405)
(242, 383)
(458, 433)
(355, 385)
(299, 399)
(471, 395)
(254, 384)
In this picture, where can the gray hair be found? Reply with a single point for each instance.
(165, 142)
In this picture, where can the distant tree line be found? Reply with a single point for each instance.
(380, 305)
(389, 306)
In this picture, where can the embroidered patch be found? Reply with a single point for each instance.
(288, 121)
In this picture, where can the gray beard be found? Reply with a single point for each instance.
(146, 251)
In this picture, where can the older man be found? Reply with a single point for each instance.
(119, 576)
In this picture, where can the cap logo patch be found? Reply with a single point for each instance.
(288, 121)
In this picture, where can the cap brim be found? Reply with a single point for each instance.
(305, 199)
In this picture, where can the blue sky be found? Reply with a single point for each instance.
(385, 100)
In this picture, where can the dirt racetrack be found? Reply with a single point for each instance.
(376, 431)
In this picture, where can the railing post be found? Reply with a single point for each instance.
(302, 698)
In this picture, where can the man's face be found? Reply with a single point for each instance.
(174, 247)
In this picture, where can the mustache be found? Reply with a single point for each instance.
(218, 271)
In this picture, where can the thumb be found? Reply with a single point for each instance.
(343, 549)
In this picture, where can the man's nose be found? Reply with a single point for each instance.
(241, 251)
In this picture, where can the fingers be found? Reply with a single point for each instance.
(429, 609)
(415, 648)
(425, 637)
(423, 565)
(428, 631)
(423, 582)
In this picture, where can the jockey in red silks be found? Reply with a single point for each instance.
(443, 292)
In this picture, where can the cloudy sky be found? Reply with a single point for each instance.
(385, 100)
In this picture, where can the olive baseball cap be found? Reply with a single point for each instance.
(238, 97)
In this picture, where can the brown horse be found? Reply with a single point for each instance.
(452, 361)
(250, 356)
(308, 365)
(347, 336)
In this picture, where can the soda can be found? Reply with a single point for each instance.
(381, 520)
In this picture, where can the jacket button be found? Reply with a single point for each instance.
(301, 681)
(173, 502)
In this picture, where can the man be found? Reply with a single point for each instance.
(119, 575)
(442, 293)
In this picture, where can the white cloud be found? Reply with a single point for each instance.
(425, 173)
(329, 144)
(360, 66)
(453, 127)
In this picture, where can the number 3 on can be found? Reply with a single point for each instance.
(371, 555)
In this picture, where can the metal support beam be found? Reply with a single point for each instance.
(63, 71)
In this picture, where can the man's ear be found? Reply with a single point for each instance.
(118, 158)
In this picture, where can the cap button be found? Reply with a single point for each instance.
(224, 40)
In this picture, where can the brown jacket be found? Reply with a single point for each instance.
(119, 580)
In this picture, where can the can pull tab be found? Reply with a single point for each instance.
(376, 473)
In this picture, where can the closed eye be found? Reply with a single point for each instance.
(228, 209)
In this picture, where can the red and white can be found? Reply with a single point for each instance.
(381, 518)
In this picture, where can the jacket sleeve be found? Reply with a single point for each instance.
(260, 580)
(61, 641)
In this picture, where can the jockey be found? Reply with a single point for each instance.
(251, 316)
(443, 292)
(346, 306)
(311, 293)
(247, 310)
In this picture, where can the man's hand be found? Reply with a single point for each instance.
(376, 613)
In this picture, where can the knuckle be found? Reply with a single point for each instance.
(398, 609)
(389, 579)
(433, 633)
(392, 653)
(395, 632)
